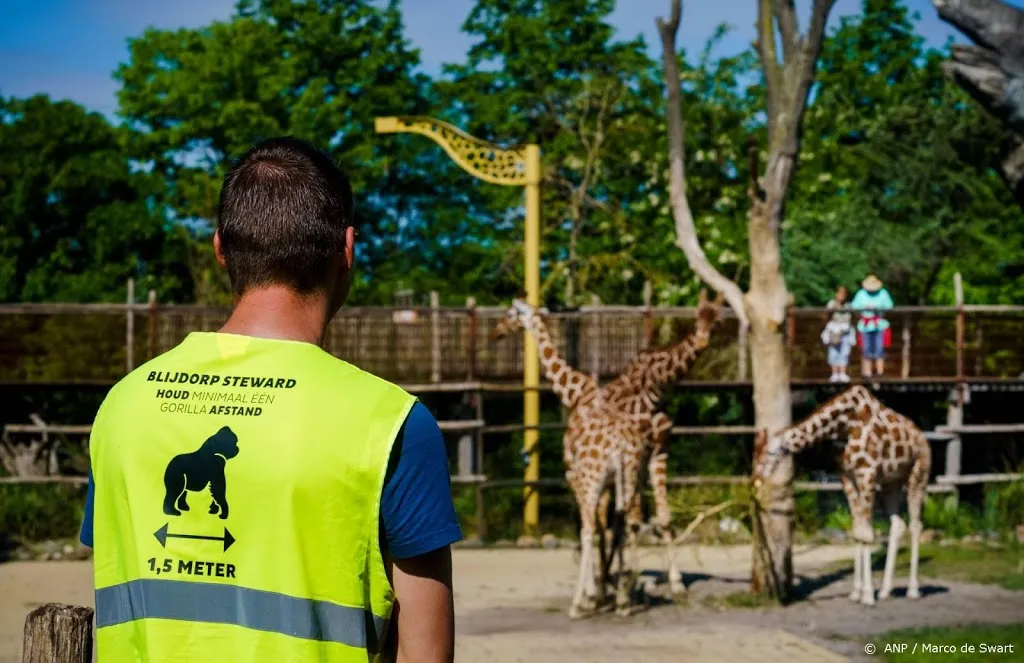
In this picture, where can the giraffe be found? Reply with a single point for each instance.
(884, 451)
(601, 445)
(637, 391)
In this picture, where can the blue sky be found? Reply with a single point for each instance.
(69, 49)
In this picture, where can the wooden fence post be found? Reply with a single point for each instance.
(435, 337)
(471, 346)
(958, 288)
(648, 315)
(905, 350)
(58, 633)
(152, 324)
(129, 329)
(478, 469)
(595, 338)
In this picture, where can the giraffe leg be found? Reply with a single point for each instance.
(857, 573)
(606, 543)
(861, 508)
(627, 480)
(896, 529)
(586, 499)
(868, 596)
(851, 497)
(586, 568)
(657, 470)
(916, 489)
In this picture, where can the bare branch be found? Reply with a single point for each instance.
(765, 46)
(785, 14)
(686, 231)
(816, 33)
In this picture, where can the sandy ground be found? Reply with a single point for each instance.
(511, 606)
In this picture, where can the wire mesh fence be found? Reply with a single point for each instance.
(89, 342)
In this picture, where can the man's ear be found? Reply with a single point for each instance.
(217, 249)
(350, 249)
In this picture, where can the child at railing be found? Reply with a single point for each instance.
(872, 300)
(838, 336)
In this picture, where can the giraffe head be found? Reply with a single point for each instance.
(707, 317)
(768, 451)
(519, 316)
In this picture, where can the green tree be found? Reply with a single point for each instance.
(198, 98)
(900, 173)
(77, 221)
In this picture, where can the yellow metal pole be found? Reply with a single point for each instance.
(531, 362)
(512, 167)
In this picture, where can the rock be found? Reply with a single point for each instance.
(526, 541)
(1020, 533)
(945, 543)
(549, 541)
(68, 549)
(834, 535)
(929, 536)
(472, 542)
(504, 543)
(971, 538)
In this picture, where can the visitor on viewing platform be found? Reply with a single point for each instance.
(838, 335)
(872, 300)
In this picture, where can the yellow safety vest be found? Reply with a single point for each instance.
(237, 500)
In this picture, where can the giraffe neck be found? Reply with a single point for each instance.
(829, 421)
(639, 388)
(567, 383)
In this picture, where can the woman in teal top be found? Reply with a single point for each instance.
(872, 300)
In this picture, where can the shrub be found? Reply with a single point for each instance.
(34, 512)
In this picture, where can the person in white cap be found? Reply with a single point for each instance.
(872, 300)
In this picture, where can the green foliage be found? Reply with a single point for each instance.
(898, 174)
(947, 516)
(952, 639)
(987, 564)
(75, 220)
(840, 519)
(31, 513)
(1004, 506)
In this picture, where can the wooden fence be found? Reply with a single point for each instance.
(77, 343)
(470, 455)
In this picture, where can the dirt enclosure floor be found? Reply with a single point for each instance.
(511, 606)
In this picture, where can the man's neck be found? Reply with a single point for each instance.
(276, 312)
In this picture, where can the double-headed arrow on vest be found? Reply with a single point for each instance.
(162, 535)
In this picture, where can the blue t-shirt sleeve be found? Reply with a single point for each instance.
(417, 512)
(85, 534)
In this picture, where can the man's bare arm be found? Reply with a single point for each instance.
(425, 628)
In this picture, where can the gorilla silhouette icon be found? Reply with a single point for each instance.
(199, 469)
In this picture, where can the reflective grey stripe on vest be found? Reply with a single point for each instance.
(228, 604)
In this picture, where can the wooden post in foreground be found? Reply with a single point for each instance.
(58, 633)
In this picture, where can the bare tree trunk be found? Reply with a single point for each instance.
(789, 72)
(766, 308)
